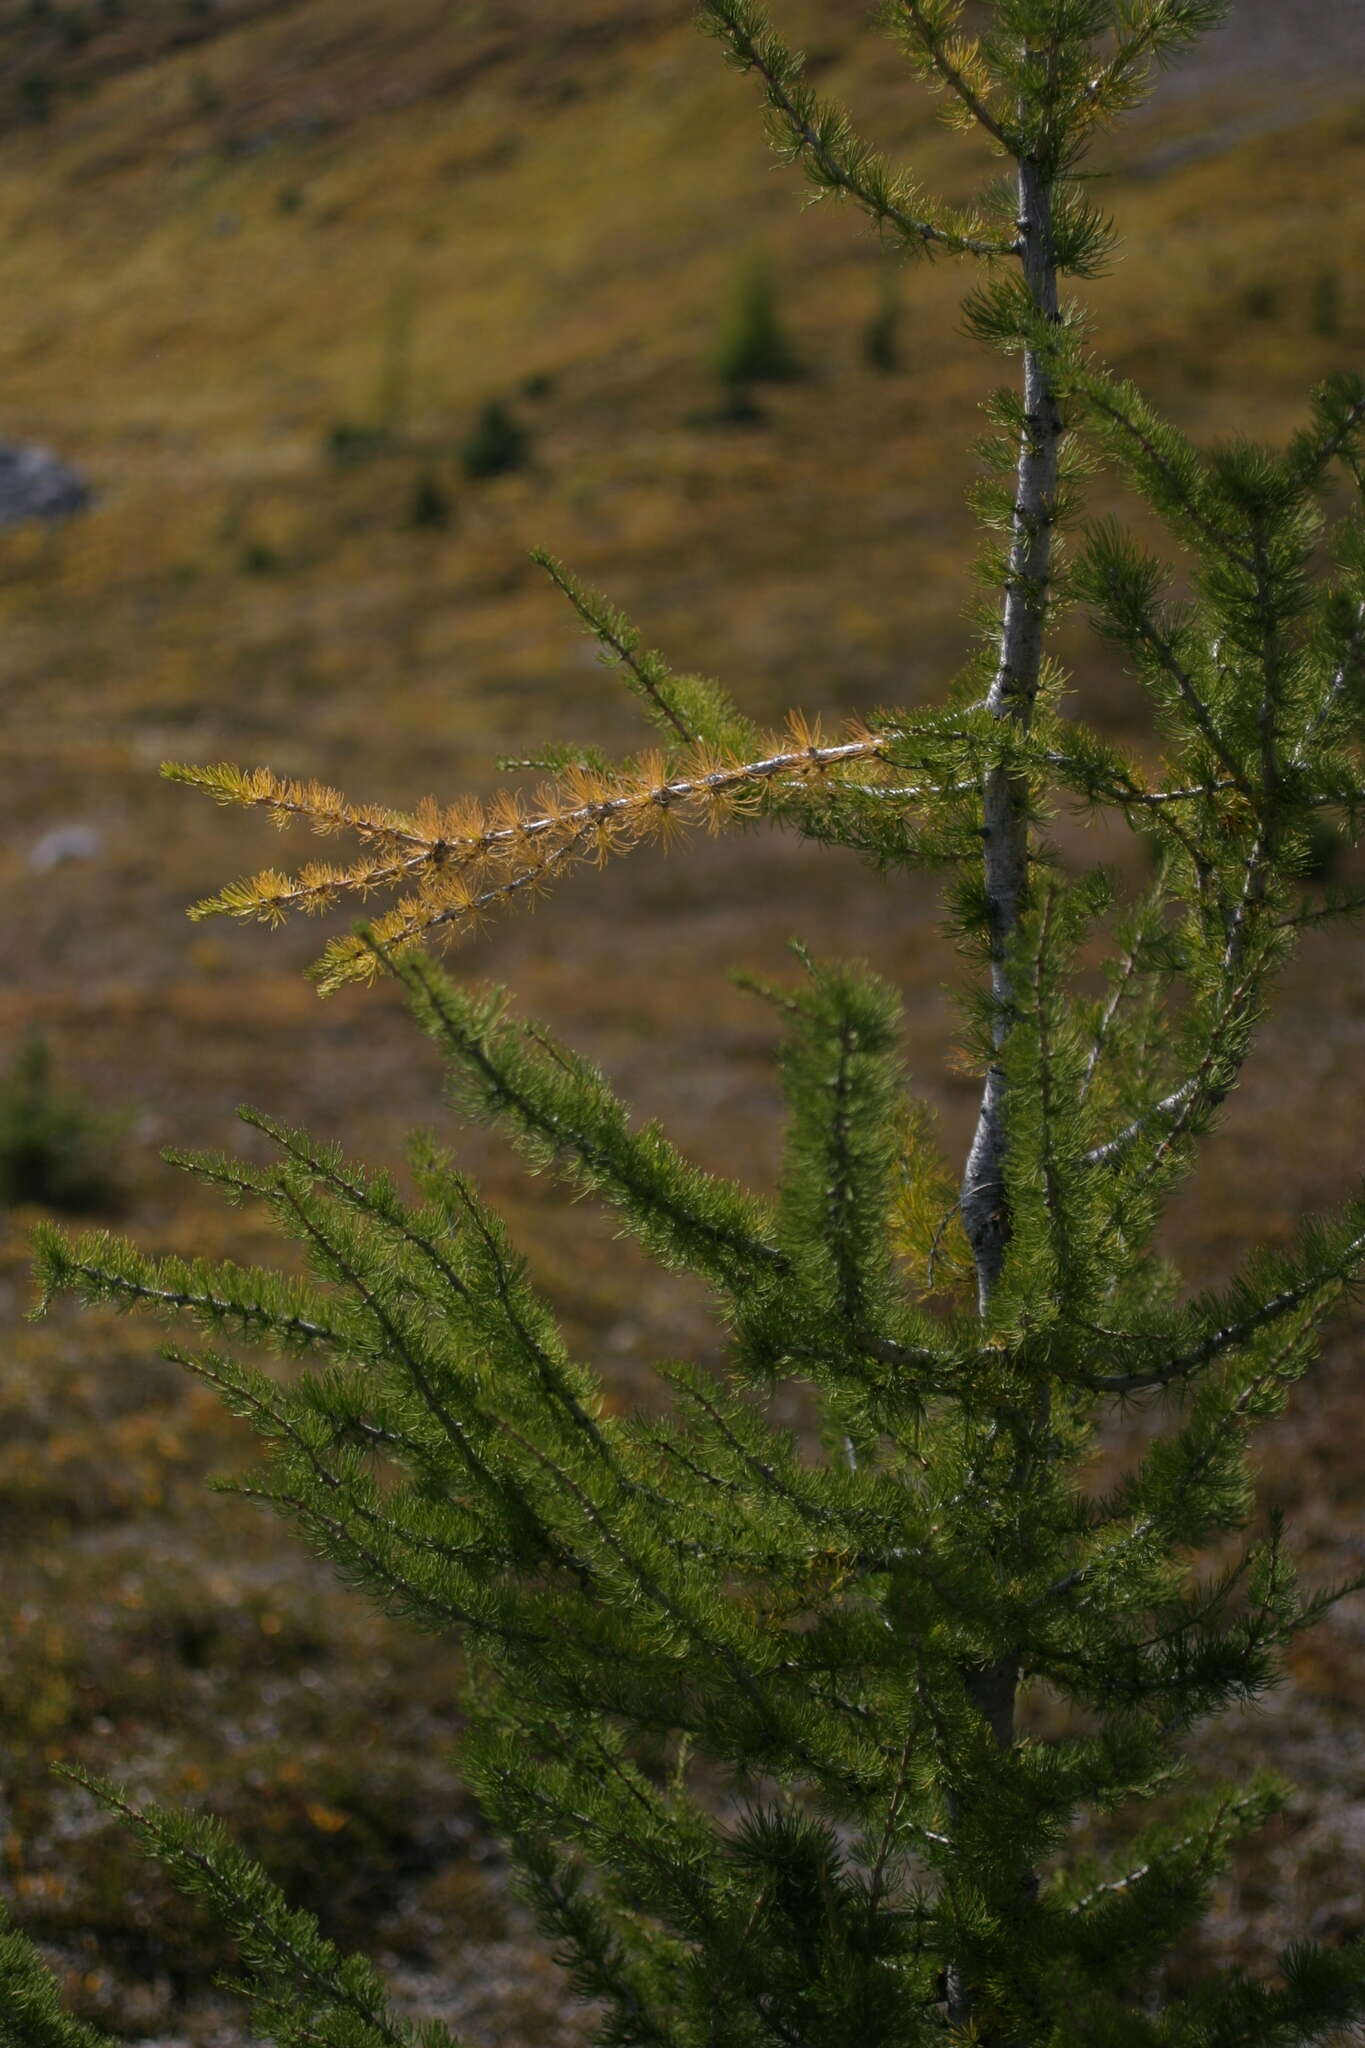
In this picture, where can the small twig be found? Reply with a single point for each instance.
(932, 45)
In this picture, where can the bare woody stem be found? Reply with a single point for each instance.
(1005, 833)
(1013, 694)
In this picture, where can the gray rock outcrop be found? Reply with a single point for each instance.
(36, 484)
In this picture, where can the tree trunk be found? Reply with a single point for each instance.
(1013, 693)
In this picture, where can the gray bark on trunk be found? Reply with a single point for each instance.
(1013, 693)
(1005, 824)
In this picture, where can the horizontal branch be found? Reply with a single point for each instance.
(459, 862)
(1169, 1106)
(1320, 913)
(1232, 1335)
(1107, 779)
(60, 1268)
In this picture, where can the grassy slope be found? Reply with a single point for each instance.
(210, 248)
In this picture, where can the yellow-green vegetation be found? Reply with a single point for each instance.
(266, 266)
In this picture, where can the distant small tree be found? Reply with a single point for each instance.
(495, 443)
(55, 1150)
(753, 345)
(1326, 301)
(881, 335)
(429, 502)
(755, 1723)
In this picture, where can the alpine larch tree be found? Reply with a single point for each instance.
(751, 1718)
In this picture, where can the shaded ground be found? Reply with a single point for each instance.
(222, 248)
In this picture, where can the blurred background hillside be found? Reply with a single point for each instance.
(266, 265)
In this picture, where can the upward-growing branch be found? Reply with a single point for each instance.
(1013, 694)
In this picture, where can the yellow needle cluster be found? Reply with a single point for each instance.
(456, 864)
